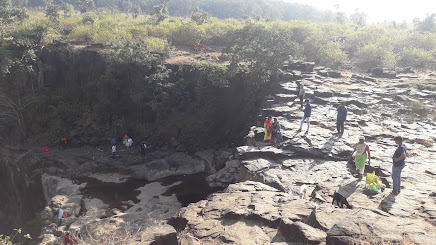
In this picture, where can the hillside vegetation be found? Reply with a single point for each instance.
(123, 83)
(332, 43)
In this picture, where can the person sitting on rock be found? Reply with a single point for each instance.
(277, 135)
(306, 117)
(362, 153)
(341, 118)
(268, 129)
(69, 239)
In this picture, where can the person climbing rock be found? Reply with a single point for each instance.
(114, 150)
(306, 117)
(301, 94)
(268, 129)
(277, 134)
(341, 118)
(398, 164)
(362, 153)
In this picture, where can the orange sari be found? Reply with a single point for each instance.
(268, 130)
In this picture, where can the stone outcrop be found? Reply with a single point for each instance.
(379, 109)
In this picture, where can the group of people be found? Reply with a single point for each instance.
(272, 131)
(361, 149)
(127, 142)
(398, 160)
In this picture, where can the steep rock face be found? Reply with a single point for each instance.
(21, 193)
(94, 98)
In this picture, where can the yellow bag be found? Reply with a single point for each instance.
(371, 177)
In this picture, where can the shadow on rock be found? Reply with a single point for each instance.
(386, 204)
(348, 189)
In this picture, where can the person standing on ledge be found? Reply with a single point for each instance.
(398, 164)
(306, 117)
(362, 153)
(114, 150)
(301, 94)
(341, 118)
(268, 130)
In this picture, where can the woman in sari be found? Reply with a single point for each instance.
(268, 129)
(362, 153)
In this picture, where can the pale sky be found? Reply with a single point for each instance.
(379, 10)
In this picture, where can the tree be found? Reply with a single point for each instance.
(161, 11)
(136, 11)
(9, 15)
(68, 10)
(20, 91)
(52, 13)
(198, 16)
(86, 5)
(264, 50)
(358, 17)
(340, 16)
(427, 25)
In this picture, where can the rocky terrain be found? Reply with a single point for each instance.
(163, 198)
(264, 207)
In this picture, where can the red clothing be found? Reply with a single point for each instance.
(70, 240)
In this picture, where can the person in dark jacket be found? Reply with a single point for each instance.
(277, 134)
(398, 164)
(341, 118)
(306, 117)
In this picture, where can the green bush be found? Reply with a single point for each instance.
(187, 34)
(374, 55)
(414, 57)
(156, 44)
(420, 109)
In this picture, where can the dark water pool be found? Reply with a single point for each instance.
(192, 188)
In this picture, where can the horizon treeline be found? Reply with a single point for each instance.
(238, 9)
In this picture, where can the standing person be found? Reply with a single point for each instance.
(301, 95)
(129, 142)
(306, 117)
(64, 142)
(114, 150)
(125, 139)
(398, 164)
(277, 135)
(341, 118)
(268, 129)
(143, 147)
(362, 153)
